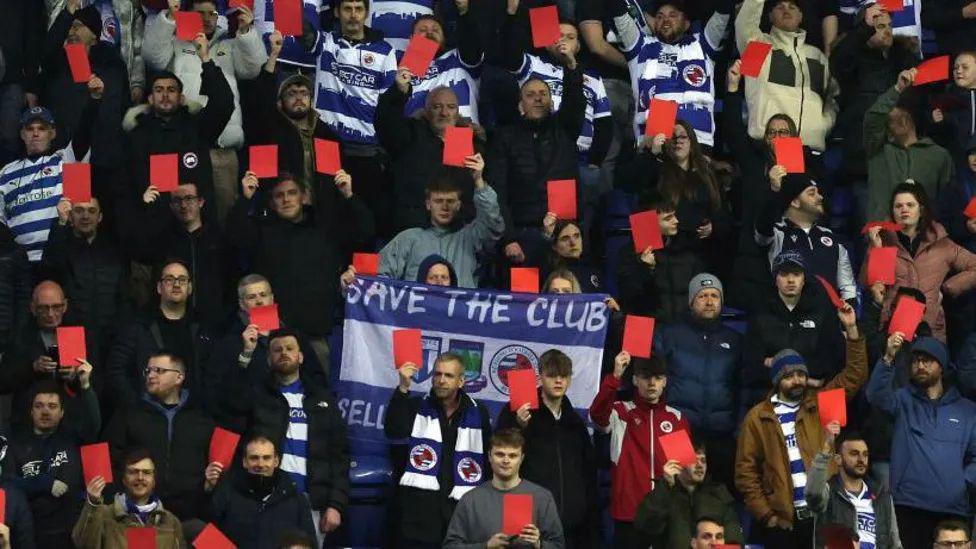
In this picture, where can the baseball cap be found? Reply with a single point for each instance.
(31, 114)
(789, 260)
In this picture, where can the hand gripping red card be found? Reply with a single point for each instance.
(970, 211)
(212, 538)
(366, 264)
(458, 145)
(892, 6)
(188, 25)
(78, 62)
(661, 116)
(164, 172)
(95, 462)
(223, 444)
(932, 70)
(71, 345)
(141, 538)
(327, 158)
(76, 182)
(419, 54)
(831, 292)
(264, 160)
(545, 26)
(288, 17)
(889, 226)
(638, 335)
(407, 347)
(908, 314)
(789, 154)
(525, 279)
(562, 198)
(516, 513)
(677, 446)
(881, 265)
(646, 230)
(265, 317)
(832, 405)
(754, 58)
(521, 389)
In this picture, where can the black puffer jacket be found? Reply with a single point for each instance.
(15, 287)
(527, 154)
(252, 522)
(662, 291)
(178, 440)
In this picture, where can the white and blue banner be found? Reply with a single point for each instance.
(494, 332)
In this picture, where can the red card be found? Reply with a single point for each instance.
(892, 6)
(407, 347)
(677, 446)
(516, 513)
(164, 172)
(525, 280)
(789, 154)
(141, 538)
(638, 335)
(661, 116)
(95, 462)
(71, 345)
(212, 538)
(932, 70)
(265, 317)
(831, 292)
(754, 58)
(889, 226)
(288, 17)
(3, 506)
(366, 264)
(646, 231)
(908, 314)
(234, 4)
(264, 160)
(78, 63)
(833, 406)
(223, 444)
(970, 210)
(327, 159)
(188, 25)
(881, 265)
(419, 54)
(76, 182)
(562, 198)
(545, 26)
(521, 389)
(458, 145)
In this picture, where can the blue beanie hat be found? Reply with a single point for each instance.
(784, 362)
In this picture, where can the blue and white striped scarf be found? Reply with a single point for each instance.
(786, 414)
(424, 460)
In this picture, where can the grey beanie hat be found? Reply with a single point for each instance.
(702, 281)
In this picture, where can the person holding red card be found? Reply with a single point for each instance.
(460, 244)
(921, 503)
(638, 423)
(780, 436)
(104, 524)
(927, 259)
(437, 475)
(239, 54)
(897, 153)
(483, 513)
(555, 433)
(804, 90)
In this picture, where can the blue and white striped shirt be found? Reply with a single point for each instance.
(294, 449)
(395, 18)
(30, 189)
(786, 414)
(597, 102)
(348, 83)
(448, 70)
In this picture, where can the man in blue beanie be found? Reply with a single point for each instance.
(934, 443)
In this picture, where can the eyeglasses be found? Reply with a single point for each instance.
(50, 308)
(171, 280)
(951, 544)
(180, 200)
(680, 138)
(778, 133)
(159, 371)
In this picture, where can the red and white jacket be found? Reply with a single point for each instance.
(635, 428)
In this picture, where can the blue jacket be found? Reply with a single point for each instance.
(704, 363)
(933, 446)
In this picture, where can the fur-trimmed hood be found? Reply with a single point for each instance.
(131, 118)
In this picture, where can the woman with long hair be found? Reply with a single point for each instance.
(927, 257)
